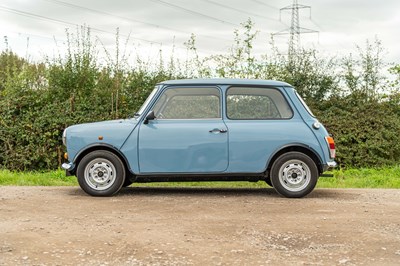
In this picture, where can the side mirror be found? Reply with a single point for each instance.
(149, 116)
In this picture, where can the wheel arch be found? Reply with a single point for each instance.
(299, 148)
(101, 146)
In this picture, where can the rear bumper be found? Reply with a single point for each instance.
(329, 166)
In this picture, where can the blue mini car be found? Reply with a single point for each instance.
(205, 130)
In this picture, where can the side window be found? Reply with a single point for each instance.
(256, 103)
(189, 103)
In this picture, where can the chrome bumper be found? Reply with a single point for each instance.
(67, 166)
(332, 164)
(329, 166)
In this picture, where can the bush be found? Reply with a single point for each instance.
(39, 100)
(365, 130)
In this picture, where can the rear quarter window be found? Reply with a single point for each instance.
(256, 104)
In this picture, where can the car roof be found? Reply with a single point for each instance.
(215, 81)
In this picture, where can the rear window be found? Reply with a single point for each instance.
(256, 103)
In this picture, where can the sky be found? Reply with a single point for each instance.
(37, 27)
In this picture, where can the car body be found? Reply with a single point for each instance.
(205, 129)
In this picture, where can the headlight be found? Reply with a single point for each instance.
(64, 137)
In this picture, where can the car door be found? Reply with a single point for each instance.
(188, 134)
(260, 121)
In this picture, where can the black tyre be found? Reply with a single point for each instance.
(268, 181)
(101, 173)
(294, 175)
(127, 182)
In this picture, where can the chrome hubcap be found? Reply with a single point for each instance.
(100, 174)
(294, 175)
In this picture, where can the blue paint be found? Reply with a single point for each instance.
(186, 146)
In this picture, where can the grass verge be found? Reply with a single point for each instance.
(363, 178)
(48, 178)
(350, 178)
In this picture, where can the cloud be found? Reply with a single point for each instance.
(342, 24)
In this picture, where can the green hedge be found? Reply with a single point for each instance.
(366, 131)
(38, 100)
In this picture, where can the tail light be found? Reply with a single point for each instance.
(331, 146)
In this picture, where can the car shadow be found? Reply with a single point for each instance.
(236, 192)
(196, 191)
(203, 191)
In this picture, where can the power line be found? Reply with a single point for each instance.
(96, 11)
(36, 35)
(316, 24)
(273, 7)
(194, 12)
(107, 14)
(44, 18)
(264, 4)
(240, 10)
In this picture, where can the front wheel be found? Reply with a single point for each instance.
(101, 173)
(294, 175)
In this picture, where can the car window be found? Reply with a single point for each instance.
(147, 102)
(189, 103)
(256, 103)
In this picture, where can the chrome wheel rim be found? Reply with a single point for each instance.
(100, 174)
(294, 175)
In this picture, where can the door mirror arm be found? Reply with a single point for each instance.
(149, 116)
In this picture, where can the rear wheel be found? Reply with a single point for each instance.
(127, 182)
(294, 175)
(101, 173)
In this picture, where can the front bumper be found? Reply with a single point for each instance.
(68, 167)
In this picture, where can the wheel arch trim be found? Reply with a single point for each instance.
(99, 146)
(309, 151)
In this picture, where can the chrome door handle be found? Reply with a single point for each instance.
(217, 130)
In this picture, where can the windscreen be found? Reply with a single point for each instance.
(141, 110)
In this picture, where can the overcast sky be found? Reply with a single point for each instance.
(151, 24)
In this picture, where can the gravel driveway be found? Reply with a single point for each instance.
(184, 226)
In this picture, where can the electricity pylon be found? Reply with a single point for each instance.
(294, 30)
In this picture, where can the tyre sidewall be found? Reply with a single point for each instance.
(294, 156)
(119, 168)
(268, 181)
(127, 182)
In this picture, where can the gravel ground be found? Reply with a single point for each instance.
(194, 226)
